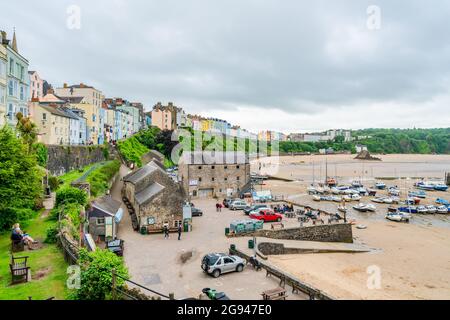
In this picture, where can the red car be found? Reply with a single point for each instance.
(267, 216)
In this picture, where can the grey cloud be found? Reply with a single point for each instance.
(297, 56)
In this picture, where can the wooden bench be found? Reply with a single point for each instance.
(281, 277)
(277, 225)
(275, 294)
(19, 269)
(17, 246)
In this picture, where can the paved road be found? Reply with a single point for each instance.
(156, 263)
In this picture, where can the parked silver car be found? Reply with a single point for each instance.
(238, 205)
(216, 264)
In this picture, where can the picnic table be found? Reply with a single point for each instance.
(275, 294)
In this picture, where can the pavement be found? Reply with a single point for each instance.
(160, 264)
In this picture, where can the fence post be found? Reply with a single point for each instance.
(171, 296)
(114, 296)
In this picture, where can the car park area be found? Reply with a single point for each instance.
(172, 266)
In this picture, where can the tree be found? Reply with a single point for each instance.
(96, 274)
(27, 130)
(20, 176)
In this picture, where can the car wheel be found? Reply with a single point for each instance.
(240, 268)
(216, 273)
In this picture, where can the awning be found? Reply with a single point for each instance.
(119, 215)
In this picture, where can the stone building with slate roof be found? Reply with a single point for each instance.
(157, 200)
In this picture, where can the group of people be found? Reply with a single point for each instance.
(166, 231)
(18, 235)
(219, 207)
(284, 208)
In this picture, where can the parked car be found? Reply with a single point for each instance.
(216, 264)
(196, 212)
(226, 202)
(238, 205)
(267, 216)
(249, 209)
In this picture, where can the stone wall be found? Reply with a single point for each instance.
(323, 233)
(62, 159)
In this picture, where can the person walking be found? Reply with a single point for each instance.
(179, 232)
(217, 207)
(166, 232)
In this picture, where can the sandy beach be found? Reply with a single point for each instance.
(414, 258)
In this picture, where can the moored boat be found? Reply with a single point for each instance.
(442, 210)
(380, 185)
(397, 216)
(409, 209)
(441, 187)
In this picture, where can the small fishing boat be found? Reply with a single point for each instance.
(442, 210)
(316, 198)
(397, 217)
(422, 210)
(440, 187)
(409, 209)
(394, 192)
(371, 207)
(357, 184)
(311, 190)
(335, 190)
(417, 194)
(361, 207)
(378, 200)
(442, 202)
(331, 182)
(353, 197)
(427, 186)
(413, 201)
(431, 209)
(380, 185)
(336, 199)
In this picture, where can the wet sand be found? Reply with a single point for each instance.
(414, 258)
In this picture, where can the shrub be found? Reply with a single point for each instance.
(52, 233)
(99, 179)
(41, 154)
(10, 216)
(132, 150)
(96, 274)
(71, 195)
(53, 183)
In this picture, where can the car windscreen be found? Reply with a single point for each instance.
(210, 260)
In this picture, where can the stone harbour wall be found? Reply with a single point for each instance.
(62, 159)
(341, 232)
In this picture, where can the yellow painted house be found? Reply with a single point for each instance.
(205, 125)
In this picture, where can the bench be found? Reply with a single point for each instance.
(19, 269)
(277, 225)
(281, 277)
(17, 246)
(274, 294)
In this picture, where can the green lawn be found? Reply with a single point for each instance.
(73, 175)
(48, 260)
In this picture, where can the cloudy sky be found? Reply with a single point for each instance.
(290, 66)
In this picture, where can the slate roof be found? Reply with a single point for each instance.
(148, 193)
(107, 205)
(141, 173)
(58, 112)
